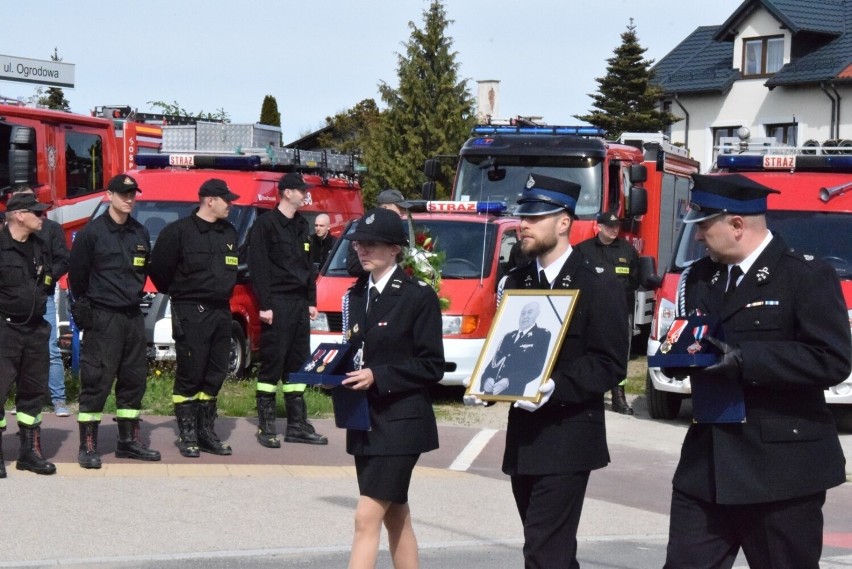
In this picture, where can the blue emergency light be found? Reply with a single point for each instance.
(810, 162)
(491, 207)
(222, 162)
(575, 130)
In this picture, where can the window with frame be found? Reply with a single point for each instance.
(762, 56)
(784, 133)
(84, 164)
(718, 134)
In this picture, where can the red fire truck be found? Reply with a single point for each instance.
(643, 179)
(251, 161)
(476, 241)
(72, 156)
(813, 213)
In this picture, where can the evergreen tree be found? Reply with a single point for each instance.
(347, 132)
(269, 114)
(626, 100)
(54, 97)
(430, 113)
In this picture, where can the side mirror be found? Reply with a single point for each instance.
(429, 190)
(638, 204)
(432, 168)
(648, 277)
(638, 174)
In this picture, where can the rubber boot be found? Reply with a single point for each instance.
(29, 454)
(299, 430)
(619, 401)
(88, 456)
(129, 445)
(186, 414)
(2, 462)
(266, 420)
(207, 439)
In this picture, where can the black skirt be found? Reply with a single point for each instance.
(385, 478)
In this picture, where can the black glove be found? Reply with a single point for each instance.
(730, 364)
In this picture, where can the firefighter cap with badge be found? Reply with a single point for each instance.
(544, 195)
(724, 194)
(381, 225)
(608, 218)
(122, 184)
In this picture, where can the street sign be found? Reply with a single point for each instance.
(51, 73)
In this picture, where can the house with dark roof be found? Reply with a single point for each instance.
(776, 71)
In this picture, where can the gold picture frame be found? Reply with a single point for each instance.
(521, 349)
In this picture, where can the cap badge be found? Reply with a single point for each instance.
(127, 181)
(530, 182)
(370, 219)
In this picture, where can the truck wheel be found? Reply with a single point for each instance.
(661, 404)
(237, 357)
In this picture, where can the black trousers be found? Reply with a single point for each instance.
(776, 535)
(284, 344)
(203, 346)
(24, 362)
(550, 508)
(113, 349)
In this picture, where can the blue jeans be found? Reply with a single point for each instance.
(56, 376)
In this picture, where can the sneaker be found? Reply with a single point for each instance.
(60, 410)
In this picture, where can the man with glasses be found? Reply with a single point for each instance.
(195, 262)
(109, 265)
(284, 281)
(24, 276)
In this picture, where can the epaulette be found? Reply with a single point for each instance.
(804, 258)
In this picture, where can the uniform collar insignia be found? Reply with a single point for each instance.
(762, 274)
(528, 281)
(715, 278)
(567, 279)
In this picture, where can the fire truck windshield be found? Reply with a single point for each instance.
(155, 215)
(823, 235)
(461, 242)
(504, 178)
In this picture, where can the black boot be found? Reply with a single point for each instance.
(29, 455)
(266, 420)
(2, 463)
(129, 445)
(186, 414)
(207, 439)
(299, 430)
(88, 455)
(619, 401)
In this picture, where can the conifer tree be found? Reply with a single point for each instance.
(626, 100)
(431, 112)
(347, 132)
(269, 114)
(54, 97)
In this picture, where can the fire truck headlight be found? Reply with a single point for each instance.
(451, 325)
(665, 317)
(320, 324)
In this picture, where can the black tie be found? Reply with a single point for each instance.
(734, 275)
(542, 280)
(372, 296)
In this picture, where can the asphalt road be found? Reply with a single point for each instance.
(292, 507)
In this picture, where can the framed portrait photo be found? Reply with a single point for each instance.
(521, 349)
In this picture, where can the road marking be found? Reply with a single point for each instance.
(472, 450)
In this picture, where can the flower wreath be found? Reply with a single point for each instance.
(421, 261)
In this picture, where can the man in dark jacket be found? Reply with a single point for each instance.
(322, 241)
(195, 262)
(553, 445)
(284, 281)
(758, 484)
(609, 250)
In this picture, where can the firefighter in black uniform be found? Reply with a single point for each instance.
(195, 262)
(759, 484)
(284, 281)
(609, 250)
(109, 264)
(24, 275)
(552, 446)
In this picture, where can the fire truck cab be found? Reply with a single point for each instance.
(813, 213)
(476, 241)
(249, 159)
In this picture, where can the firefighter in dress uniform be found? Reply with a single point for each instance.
(109, 265)
(195, 262)
(24, 276)
(760, 484)
(553, 445)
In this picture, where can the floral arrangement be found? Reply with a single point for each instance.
(421, 261)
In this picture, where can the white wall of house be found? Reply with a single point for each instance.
(751, 104)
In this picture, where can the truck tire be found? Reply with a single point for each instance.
(661, 404)
(239, 349)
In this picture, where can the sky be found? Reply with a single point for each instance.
(321, 57)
